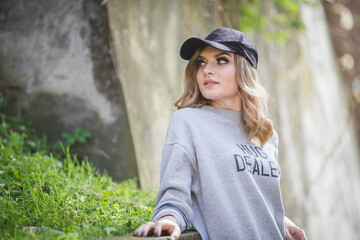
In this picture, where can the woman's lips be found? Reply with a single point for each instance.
(210, 82)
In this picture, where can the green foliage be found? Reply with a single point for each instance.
(250, 18)
(79, 136)
(4, 101)
(45, 197)
(287, 17)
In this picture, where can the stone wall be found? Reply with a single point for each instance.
(147, 36)
(344, 28)
(56, 53)
(317, 141)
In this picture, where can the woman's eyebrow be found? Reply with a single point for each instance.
(217, 55)
(223, 53)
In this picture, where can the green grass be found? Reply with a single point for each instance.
(56, 196)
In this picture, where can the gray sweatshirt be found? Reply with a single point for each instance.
(213, 178)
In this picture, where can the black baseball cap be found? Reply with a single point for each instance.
(226, 39)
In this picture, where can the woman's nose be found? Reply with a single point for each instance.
(209, 69)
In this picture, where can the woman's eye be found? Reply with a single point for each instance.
(222, 61)
(200, 63)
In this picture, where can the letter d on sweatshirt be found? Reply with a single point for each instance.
(240, 166)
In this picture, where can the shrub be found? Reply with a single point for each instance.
(54, 196)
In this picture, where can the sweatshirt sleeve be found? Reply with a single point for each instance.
(174, 195)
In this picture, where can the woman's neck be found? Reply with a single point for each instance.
(234, 105)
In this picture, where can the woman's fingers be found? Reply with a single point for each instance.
(171, 227)
(144, 229)
(175, 234)
(297, 233)
(288, 235)
(167, 223)
(138, 231)
(292, 231)
(157, 229)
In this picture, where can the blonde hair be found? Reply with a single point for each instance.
(258, 125)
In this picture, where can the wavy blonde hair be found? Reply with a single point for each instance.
(254, 97)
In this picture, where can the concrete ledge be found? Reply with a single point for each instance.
(188, 235)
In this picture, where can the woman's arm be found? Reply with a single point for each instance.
(292, 231)
(173, 212)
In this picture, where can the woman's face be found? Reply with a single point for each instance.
(216, 77)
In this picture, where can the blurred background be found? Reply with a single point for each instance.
(111, 69)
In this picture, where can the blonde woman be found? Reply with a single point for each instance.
(219, 168)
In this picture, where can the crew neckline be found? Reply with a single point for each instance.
(226, 113)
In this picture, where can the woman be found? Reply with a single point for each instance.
(219, 167)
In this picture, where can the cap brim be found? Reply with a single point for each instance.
(190, 46)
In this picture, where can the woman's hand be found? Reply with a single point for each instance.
(166, 223)
(292, 231)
